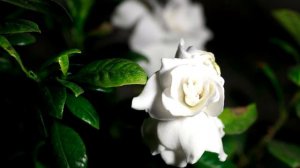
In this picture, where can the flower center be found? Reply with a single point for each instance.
(192, 92)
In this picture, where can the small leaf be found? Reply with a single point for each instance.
(68, 147)
(21, 39)
(5, 44)
(56, 98)
(19, 26)
(211, 160)
(287, 153)
(268, 71)
(290, 20)
(294, 74)
(83, 109)
(111, 73)
(77, 90)
(63, 60)
(288, 48)
(238, 120)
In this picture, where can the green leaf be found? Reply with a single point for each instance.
(19, 26)
(63, 60)
(295, 102)
(290, 20)
(21, 39)
(68, 147)
(83, 109)
(287, 153)
(211, 160)
(137, 57)
(77, 90)
(51, 8)
(5, 44)
(56, 98)
(238, 120)
(288, 48)
(233, 144)
(294, 74)
(79, 10)
(111, 73)
(268, 71)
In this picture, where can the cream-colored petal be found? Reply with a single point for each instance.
(127, 14)
(174, 107)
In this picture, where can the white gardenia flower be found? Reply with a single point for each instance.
(184, 140)
(156, 32)
(183, 100)
(184, 86)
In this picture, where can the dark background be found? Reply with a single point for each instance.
(242, 29)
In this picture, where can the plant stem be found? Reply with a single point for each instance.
(257, 151)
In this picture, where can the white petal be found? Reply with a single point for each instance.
(128, 13)
(145, 33)
(199, 134)
(174, 158)
(145, 100)
(155, 52)
(216, 108)
(168, 133)
(174, 106)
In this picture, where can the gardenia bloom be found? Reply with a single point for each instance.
(156, 31)
(184, 99)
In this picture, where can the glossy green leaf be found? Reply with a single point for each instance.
(69, 148)
(77, 90)
(5, 44)
(63, 62)
(56, 98)
(290, 20)
(21, 39)
(83, 109)
(211, 160)
(112, 73)
(19, 26)
(238, 120)
(63, 59)
(287, 153)
(294, 75)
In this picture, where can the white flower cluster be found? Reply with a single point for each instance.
(184, 99)
(157, 28)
